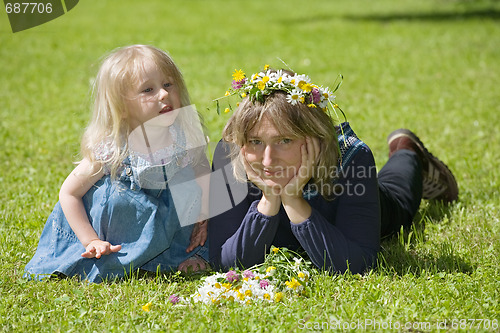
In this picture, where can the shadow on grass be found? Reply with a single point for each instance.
(137, 275)
(483, 14)
(407, 252)
(443, 16)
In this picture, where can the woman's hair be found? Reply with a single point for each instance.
(295, 121)
(118, 72)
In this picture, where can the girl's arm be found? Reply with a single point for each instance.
(79, 182)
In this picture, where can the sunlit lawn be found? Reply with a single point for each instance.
(431, 66)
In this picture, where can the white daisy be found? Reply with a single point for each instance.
(294, 96)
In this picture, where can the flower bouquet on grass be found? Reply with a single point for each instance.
(282, 274)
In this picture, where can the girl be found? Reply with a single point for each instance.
(118, 210)
(312, 185)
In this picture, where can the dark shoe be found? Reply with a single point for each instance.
(438, 181)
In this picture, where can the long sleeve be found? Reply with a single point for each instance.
(340, 234)
(247, 246)
(350, 237)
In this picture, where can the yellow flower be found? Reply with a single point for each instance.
(243, 95)
(303, 276)
(238, 75)
(146, 307)
(227, 93)
(304, 86)
(248, 292)
(265, 79)
(278, 297)
(217, 285)
(270, 269)
(311, 105)
(226, 110)
(261, 85)
(266, 67)
(276, 249)
(294, 284)
(267, 296)
(227, 285)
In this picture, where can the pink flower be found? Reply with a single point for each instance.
(232, 276)
(174, 299)
(263, 283)
(238, 84)
(316, 95)
(248, 274)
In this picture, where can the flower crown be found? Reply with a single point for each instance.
(299, 88)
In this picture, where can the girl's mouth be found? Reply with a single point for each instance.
(166, 109)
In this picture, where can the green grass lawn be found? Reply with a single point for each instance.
(432, 66)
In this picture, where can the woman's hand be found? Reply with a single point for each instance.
(310, 153)
(96, 248)
(198, 235)
(296, 207)
(270, 202)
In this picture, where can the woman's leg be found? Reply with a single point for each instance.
(412, 173)
(400, 185)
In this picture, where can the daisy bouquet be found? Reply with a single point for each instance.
(283, 273)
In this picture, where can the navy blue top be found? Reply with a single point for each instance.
(341, 234)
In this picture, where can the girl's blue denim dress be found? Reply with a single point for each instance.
(143, 221)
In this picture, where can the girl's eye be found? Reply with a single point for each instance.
(166, 85)
(147, 90)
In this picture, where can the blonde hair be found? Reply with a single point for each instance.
(109, 124)
(298, 121)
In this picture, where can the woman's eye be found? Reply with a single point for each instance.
(285, 141)
(254, 142)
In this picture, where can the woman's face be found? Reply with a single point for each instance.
(276, 158)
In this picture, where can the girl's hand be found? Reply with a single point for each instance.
(198, 235)
(270, 202)
(310, 153)
(96, 248)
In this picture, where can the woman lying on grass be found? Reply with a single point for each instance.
(313, 185)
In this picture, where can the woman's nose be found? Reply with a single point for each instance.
(268, 156)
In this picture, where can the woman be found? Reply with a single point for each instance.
(312, 186)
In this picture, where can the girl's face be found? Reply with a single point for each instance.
(275, 158)
(152, 96)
